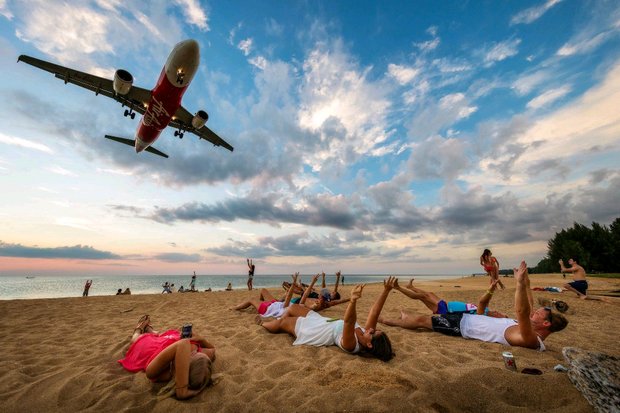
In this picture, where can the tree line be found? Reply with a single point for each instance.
(596, 249)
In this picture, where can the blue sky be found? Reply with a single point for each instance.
(370, 137)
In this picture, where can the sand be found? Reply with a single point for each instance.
(61, 355)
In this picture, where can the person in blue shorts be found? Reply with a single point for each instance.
(440, 306)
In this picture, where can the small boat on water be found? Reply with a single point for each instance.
(30, 277)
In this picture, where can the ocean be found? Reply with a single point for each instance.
(14, 287)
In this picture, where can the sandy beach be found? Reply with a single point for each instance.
(61, 355)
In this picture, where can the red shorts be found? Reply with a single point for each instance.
(262, 308)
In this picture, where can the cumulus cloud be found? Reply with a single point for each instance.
(245, 46)
(434, 117)
(75, 252)
(402, 74)
(437, 157)
(194, 14)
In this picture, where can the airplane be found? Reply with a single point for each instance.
(160, 107)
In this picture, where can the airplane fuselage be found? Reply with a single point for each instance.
(166, 96)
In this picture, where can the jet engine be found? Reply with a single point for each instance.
(199, 119)
(122, 82)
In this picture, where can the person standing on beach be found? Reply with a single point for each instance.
(491, 266)
(579, 285)
(311, 329)
(529, 330)
(251, 268)
(87, 287)
(192, 284)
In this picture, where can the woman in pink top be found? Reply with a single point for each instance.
(164, 356)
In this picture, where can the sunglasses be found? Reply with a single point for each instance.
(550, 316)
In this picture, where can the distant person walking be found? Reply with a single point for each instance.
(491, 266)
(251, 268)
(87, 287)
(192, 284)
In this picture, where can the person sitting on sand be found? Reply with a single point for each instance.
(229, 287)
(127, 291)
(579, 285)
(529, 331)
(310, 328)
(119, 291)
(165, 357)
(440, 306)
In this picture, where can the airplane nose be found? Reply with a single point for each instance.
(190, 47)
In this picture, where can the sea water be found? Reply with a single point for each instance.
(14, 287)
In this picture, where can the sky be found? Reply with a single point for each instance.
(370, 137)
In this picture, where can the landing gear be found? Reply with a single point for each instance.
(178, 133)
(130, 113)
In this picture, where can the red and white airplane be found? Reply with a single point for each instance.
(160, 107)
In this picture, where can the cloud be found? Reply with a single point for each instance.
(601, 27)
(24, 143)
(437, 157)
(294, 245)
(548, 97)
(532, 14)
(320, 210)
(194, 14)
(526, 83)
(434, 117)
(402, 74)
(245, 46)
(4, 10)
(61, 171)
(501, 51)
(75, 252)
(177, 257)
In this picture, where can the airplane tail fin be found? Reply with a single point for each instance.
(132, 143)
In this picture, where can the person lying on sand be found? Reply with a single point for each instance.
(310, 328)
(440, 306)
(326, 299)
(165, 357)
(266, 304)
(529, 331)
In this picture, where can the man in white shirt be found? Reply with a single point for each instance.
(529, 330)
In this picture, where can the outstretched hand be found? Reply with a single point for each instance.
(390, 282)
(315, 278)
(356, 293)
(521, 272)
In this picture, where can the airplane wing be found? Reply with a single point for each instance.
(182, 119)
(137, 98)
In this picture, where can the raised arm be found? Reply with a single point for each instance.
(350, 318)
(323, 285)
(375, 310)
(289, 292)
(337, 282)
(308, 290)
(527, 336)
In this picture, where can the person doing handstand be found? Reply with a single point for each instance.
(165, 356)
(529, 330)
(310, 328)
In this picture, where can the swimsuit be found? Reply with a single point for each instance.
(580, 285)
(262, 308)
(146, 348)
(444, 307)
